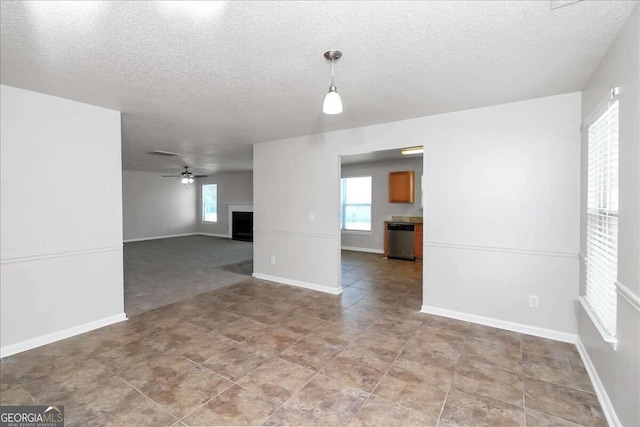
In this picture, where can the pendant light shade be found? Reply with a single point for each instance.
(332, 102)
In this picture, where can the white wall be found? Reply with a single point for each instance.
(154, 206)
(502, 197)
(161, 207)
(234, 187)
(61, 219)
(619, 371)
(381, 208)
(501, 203)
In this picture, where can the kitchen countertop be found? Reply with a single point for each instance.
(409, 219)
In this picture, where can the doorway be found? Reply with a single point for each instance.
(367, 207)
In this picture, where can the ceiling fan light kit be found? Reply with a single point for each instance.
(332, 102)
(186, 177)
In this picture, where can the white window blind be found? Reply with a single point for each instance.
(602, 217)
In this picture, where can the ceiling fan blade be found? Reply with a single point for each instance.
(200, 176)
(171, 176)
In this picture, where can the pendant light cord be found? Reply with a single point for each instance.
(332, 61)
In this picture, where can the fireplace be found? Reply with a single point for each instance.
(242, 226)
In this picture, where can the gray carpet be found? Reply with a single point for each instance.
(164, 271)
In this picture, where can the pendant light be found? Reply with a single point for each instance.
(332, 102)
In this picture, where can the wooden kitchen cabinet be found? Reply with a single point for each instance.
(401, 187)
(417, 241)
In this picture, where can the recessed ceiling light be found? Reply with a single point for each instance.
(412, 150)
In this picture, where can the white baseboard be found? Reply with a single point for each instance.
(299, 284)
(368, 250)
(224, 236)
(601, 392)
(169, 236)
(501, 324)
(11, 349)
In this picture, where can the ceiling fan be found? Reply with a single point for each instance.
(186, 176)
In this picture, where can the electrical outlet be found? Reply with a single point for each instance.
(273, 259)
(312, 217)
(533, 301)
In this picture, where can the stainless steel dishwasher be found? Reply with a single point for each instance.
(400, 240)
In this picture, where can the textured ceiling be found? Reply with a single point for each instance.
(209, 79)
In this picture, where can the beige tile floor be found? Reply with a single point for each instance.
(263, 353)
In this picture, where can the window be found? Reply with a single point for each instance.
(602, 217)
(210, 203)
(356, 203)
